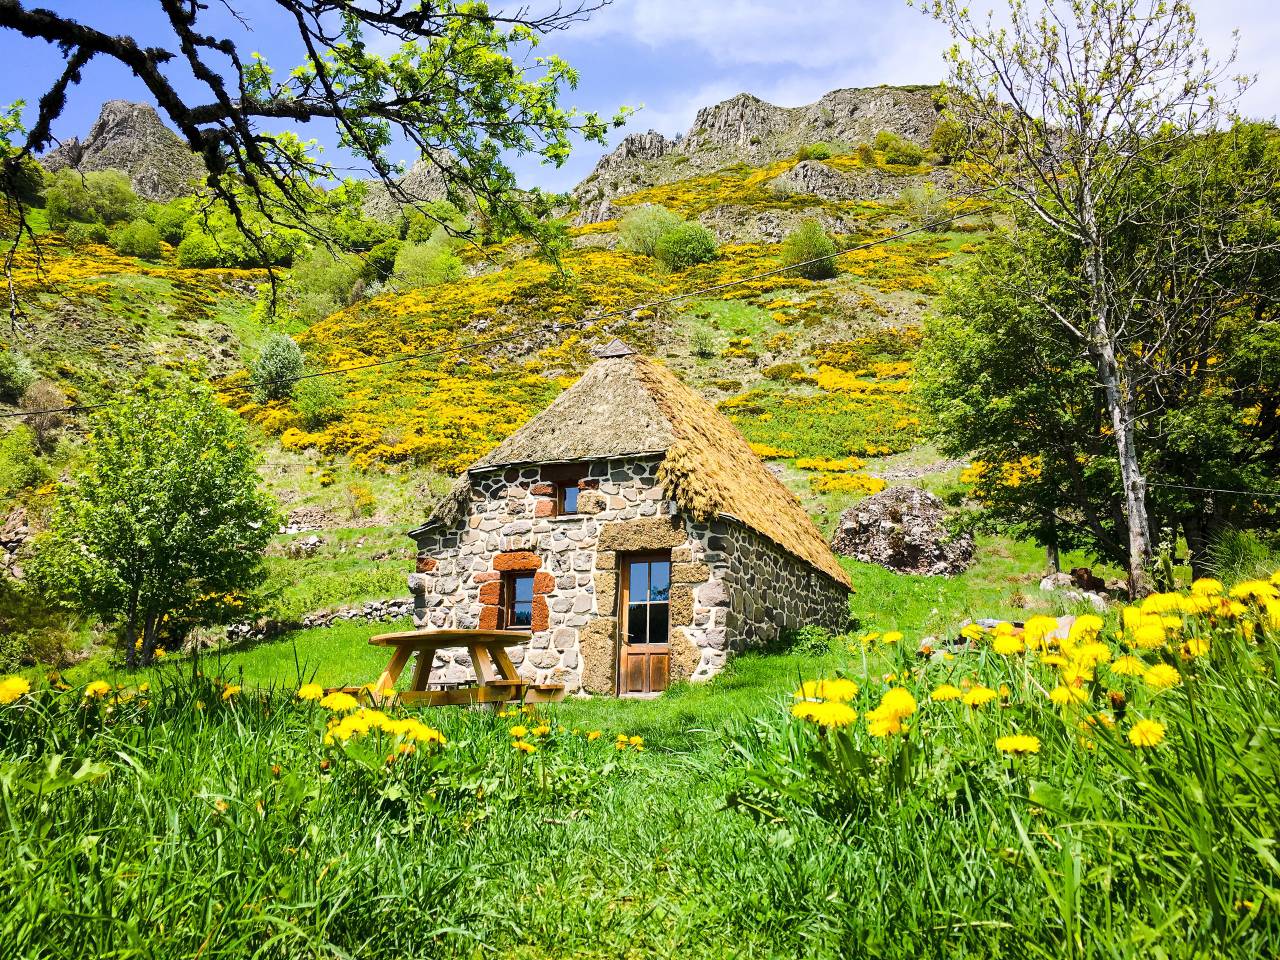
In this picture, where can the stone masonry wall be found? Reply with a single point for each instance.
(621, 508)
(730, 587)
(769, 590)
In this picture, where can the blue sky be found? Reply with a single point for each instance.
(671, 56)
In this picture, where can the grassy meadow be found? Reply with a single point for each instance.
(1107, 794)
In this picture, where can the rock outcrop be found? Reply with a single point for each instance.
(903, 529)
(423, 183)
(14, 534)
(746, 129)
(131, 138)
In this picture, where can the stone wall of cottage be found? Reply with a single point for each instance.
(768, 590)
(720, 573)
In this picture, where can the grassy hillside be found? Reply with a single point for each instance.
(817, 374)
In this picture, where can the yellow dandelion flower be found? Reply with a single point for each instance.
(1195, 647)
(831, 714)
(636, 742)
(1076, 674)
(945, 692)
(339, 702)
(972, 631)
(1054, 660)
(1007, 645)
(96, 688)
(897, 702)
(1018, 743)
(979, 696)
(893, 636)
(1207, 587)
(1162, 676)
(11, 688)
(519, 731)
(310, 691)
(1065, 696)
(541, 731)
(523, 747)
(1037, 629)
(880, 725)
(593, 735)
(1150, 635)
(1147, 733)
(1128, 666)
(230, 691)
(1085, 628)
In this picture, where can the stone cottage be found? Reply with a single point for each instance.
(631, 530)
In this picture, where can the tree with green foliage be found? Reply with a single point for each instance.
(164, 522)
(641, 228)
(170, 219)
(1078, 114)
(16, 374)
(101, 197)
(137, 239)
(427, 264)
(1011, 389)
(20, 463)
(277, 368)
(322, 282)
(685, 245)
(317, 402)
(380, 262)
(806, 244)
(462, 84)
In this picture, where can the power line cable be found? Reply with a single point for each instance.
(1185, 486)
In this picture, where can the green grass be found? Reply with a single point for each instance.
(220, 828)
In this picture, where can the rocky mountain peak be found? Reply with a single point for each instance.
(746, 129)
(132, 138)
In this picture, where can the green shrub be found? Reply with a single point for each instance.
(866, 155)
(427, 264)
(277, 368)
(321, 283)
(200, 251)
(814, 151)
(897, 150)
(170, 219)
(16, 374)
(947, 140)
(80, 234)
(138, 239)
(20, 463)
(809, 242)
(317, 402)
(642, 228)
(380, 261)
(685, 245)
(702, 343)
(783, 371)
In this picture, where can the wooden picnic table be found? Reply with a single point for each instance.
(496, 676)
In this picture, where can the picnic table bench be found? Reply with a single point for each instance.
(497, 680)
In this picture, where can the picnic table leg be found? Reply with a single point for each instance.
(393, 671)
(506, 668)
(482, 663)
(422, 669)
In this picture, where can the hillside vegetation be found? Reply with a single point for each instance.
(816, 370)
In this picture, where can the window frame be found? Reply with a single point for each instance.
(509, 599)
(625, 602)
(565, 477)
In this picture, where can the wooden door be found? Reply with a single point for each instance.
(644, 623)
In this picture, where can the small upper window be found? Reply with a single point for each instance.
(568, 498)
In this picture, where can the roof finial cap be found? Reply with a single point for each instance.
(615, 348)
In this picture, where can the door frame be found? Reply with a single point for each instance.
(624, 593)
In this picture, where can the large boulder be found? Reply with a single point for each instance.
(903, 529)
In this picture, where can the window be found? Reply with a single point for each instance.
(517, 602)
(648, 592)
(568, 498)
(567, 479)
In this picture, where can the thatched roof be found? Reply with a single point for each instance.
(629, 405)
